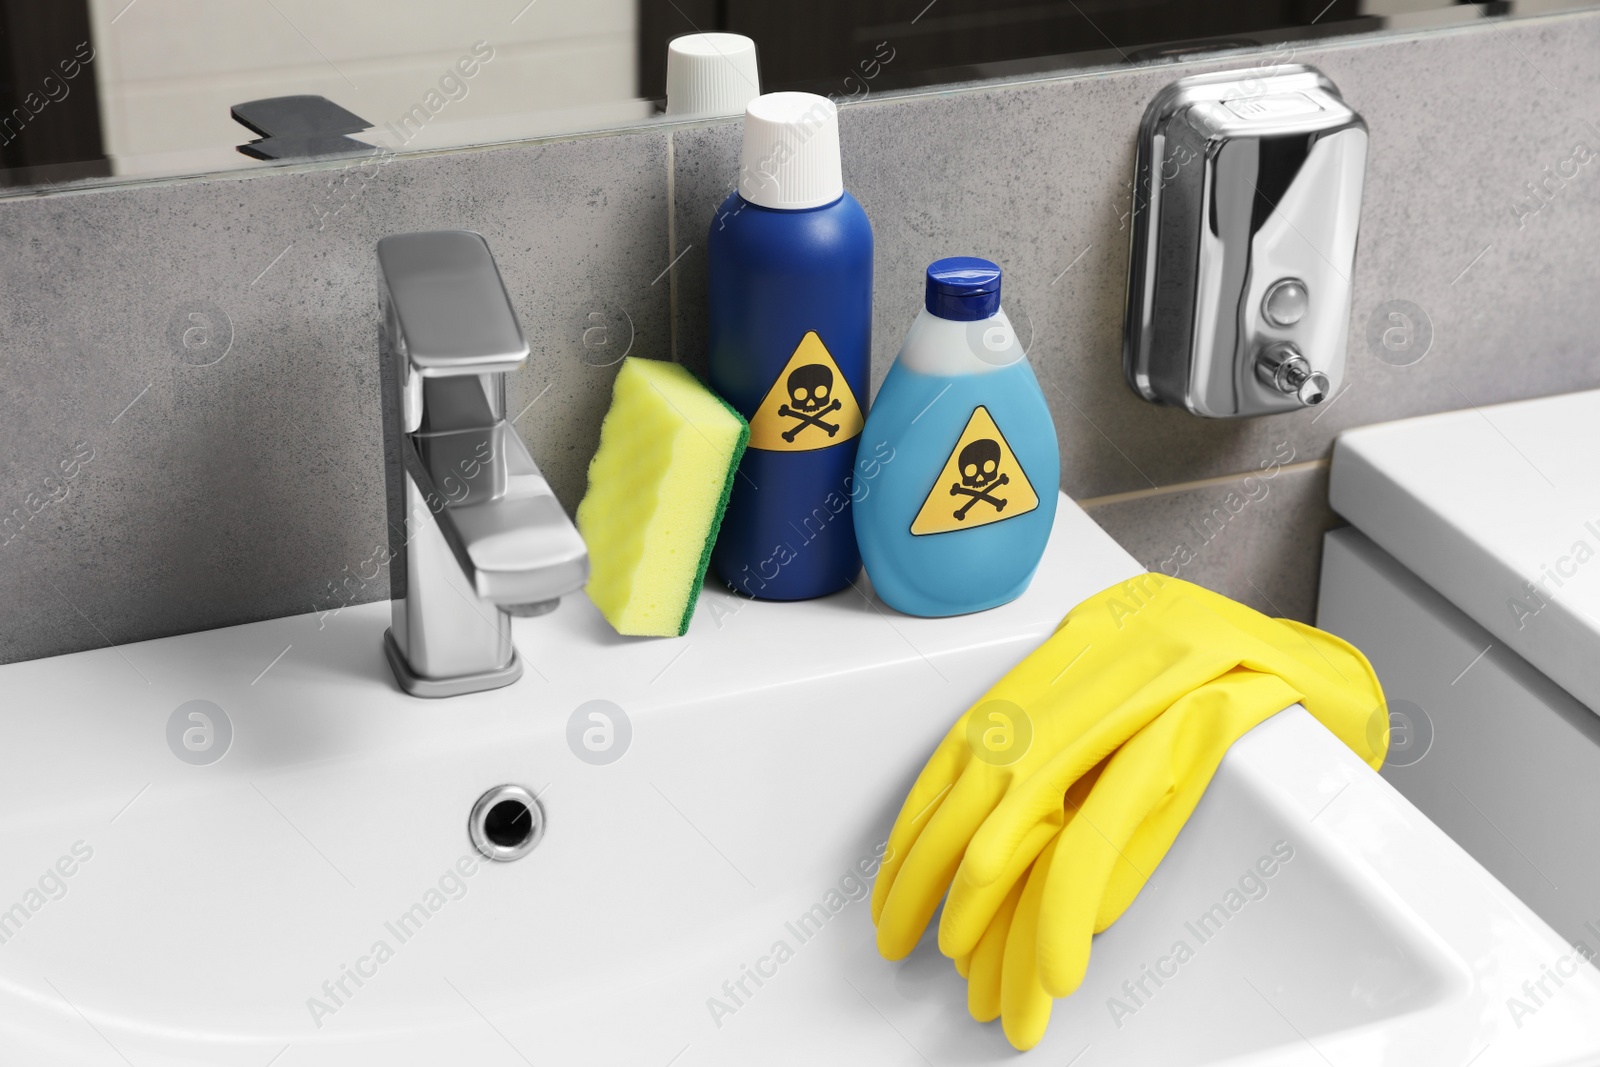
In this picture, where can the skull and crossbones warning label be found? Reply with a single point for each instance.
(981, 482)
(809, 406)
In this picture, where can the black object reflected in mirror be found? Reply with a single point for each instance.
(299, 127)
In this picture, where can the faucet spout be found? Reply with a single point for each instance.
(475, 533)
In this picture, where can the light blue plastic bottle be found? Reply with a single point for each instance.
(958, 518)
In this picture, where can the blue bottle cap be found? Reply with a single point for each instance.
(964, 288)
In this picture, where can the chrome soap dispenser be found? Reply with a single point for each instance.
(1247, 198)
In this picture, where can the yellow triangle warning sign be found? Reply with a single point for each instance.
(809, 406)
(980, 483)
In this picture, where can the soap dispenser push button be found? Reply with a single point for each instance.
(1285, 303)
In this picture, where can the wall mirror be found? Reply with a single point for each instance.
(104, 91)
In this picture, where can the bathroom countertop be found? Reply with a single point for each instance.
(1498, 509)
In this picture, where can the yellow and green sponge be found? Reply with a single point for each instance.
(658, 485)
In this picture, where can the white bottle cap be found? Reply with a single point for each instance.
(711, 74)
(791, 152)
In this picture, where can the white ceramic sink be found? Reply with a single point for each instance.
(769, 752)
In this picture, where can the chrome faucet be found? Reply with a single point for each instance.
(475, 534)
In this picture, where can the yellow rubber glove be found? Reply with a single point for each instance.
(1357, 718)
(1122, 817)
(1054, 695)
(1024, 1005)
(983, 969)
(1116, 662)
(1135, 811)
(1325, 673)
(1002, 972)
(1003, 975)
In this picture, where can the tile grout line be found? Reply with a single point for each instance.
(1202, 483)
(672, 244)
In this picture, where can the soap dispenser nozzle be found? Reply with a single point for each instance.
(1286, 369)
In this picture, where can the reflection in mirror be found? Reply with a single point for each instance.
(106, 90)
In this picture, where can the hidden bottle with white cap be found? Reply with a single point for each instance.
(959, 520)
(710, 74)
(789, 265)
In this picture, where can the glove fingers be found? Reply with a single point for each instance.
(939, 775)
(1092, 663)
(1210, 729)
(970, 909)
(1039, 794)
(1088, 849)
(1024, 1005)
(953, 756)
(927, 871)
(919, 866)
(1133, 701)
(986, 961)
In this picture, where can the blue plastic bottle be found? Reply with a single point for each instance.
(958, 520)
(790, 336)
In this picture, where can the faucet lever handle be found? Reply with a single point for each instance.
(444, 305)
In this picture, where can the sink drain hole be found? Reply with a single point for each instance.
(506, 823)
(509, 824)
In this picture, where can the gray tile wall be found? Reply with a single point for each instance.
(250, 487)
(253, 487)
